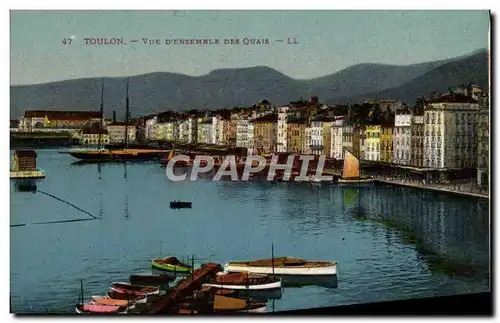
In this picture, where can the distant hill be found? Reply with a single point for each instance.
(472, 69)
(226, 88)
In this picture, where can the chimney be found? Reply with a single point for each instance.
(114, 116)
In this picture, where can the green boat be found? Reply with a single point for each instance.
(171, 264)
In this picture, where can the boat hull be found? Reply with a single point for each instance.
(349, 181)
(169, 267)
(138, 299)
(261, 309)
(270, 286)
(329, 270)
(114, 156)
(124, 288)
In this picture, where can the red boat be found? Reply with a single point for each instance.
(126, 288)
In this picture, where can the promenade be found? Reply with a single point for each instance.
(467, 189)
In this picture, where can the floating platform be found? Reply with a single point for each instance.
(36, 174)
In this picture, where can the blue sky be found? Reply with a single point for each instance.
(328, 41)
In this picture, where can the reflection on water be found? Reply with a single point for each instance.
(385, 239)
(25, 185)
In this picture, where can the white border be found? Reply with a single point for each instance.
(256, 4)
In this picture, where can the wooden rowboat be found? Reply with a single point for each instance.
(104, 300)
(244, 281)
(134, 289)
(171, 264)
(128, 297)
(223, 304)
(93, 308)
(284, 266)
(150, 279)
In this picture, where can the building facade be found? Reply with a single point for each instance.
(116, 131)
(451, 132)
(402, 139)
(295, 135)
(282, 129)
(372, 143)
(337, 150)
(242, 132)
(317, 137)
(417, 141)
(265, 134)
(94, 137)
(483, 138)
(42, 119)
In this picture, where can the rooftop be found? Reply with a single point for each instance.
(63, 115)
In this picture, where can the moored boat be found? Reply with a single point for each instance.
(134, 289)
(93, 308)
(284, 266)
(150, 279)
(138, 299)
(243, 281)
(104, 300)
(351, 171)
(180, 205)
(224, 304)
(171, 264)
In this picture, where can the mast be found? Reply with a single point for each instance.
(126, 117)
(102, 112)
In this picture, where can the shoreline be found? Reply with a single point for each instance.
(430, 187)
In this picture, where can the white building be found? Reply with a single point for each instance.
(401, 139)
(150, 127)
(337, 150)
(282, 129)
(251, 142)
(206, 132)
(222, 126)
(317, 137)
(116, 131)
(186, 130)
(306, 147)
(451, 132)
(215, 131)
(242, 132)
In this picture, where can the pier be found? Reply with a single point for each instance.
(185, 288)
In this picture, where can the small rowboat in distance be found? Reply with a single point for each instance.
(284, 266)
(128, 297)
(180, 205)
(150, 279)
(171, 264)
(134, 289)
(93, 308)
(244, 280)
(104, 300)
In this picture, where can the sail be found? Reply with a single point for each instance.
(351, 165)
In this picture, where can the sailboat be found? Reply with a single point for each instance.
(351, 172)
(125, 154)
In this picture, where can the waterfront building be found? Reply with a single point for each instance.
(242, 132)
(224, 131)
(24, 161)
(251, 142)
(199, 130)
(483, 138)
(206, 132)
(402, 138)
(362, 141)
(149, 130)
(327, 136)
(94, 137)
(295, 135)
(167, 131)
(337, 150)
(37, 120)
(233, 123)
(372, 151)
(192, 130)
(215, 130)
(317, 137)
(116, 131)
(265, 133)
(306, 147)
(417, 141)
(453, 146)
(282, 127)
(184, 130)
(386, 143)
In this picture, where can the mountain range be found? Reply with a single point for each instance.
(225, 88)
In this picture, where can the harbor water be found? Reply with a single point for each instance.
(390, 242)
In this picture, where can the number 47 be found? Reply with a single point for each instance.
(66, 41)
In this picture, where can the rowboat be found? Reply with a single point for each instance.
(138, 299)
(284, 266)
(223, 304)
(170, 264)
(243, 281)
(150, 279)
(93, 308)
(134, 289)
(105, 300)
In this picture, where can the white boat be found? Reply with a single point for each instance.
(244, 281)
(284, 266)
